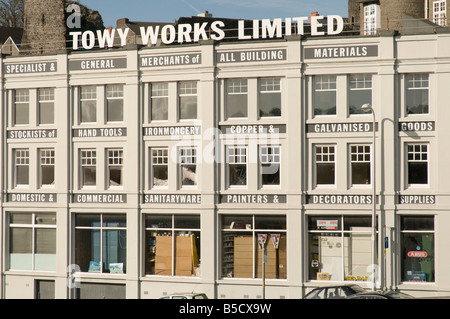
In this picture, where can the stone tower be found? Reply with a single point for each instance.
(391, 13)
(44, 27)
(45, 30)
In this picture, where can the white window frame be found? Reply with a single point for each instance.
(21, 159)
(160, 159)
(371, 19)
(270, 86)
(115, 92)
(324, 83)
(88, 93)
(440, 13)
(236, 87)
(21, 97)
(187, 156)
(269, 158)
(115, 161)
(420, 160)
(359, 160)
(158, 90)
(234, 158)
(88, 158)
(418, 81)
(46, 158)
(325, 158)
(46, 95)
(187, 89)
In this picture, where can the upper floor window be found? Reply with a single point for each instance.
(417, 93)
(237, 165)
(360, 164)
(88, 167)
(187, 108)
(21, 167)
(237, 98)
(21, 111)
(115, 167)
(270, 162)
(88, 104)
(46, 106)
(114, 100)
(47, 171)
(371, 19)
(269, 97)
(325, 164)
(417, 163)
(159, 173)
(159, 102)
(324, 100)
(440, 12)
(188, 166)
(360, 92)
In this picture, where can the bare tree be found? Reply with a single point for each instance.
(11, 13)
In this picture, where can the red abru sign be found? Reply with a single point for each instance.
(422, 254)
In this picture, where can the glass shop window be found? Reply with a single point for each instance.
(32, 241)
(241, 253)
(417, 249)
(339, 248)
(172, 245)
(101, 243)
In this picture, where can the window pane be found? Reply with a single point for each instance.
(115, 176)
(325, 174)
(417, 173)
(87, 249)
(21, 114)
(188, 107)
(160, 175)
(115, 110)
(88, 112)
(22, 177)
(417, 257)
(20, 218)
(270, 222)
(114, 251)
(360, 173)
(270, 174)
(188, 175)
(417, 223)
(20, 249)
(238, 174)
(46, 241)
(158, 221)
(269, 104)
(187, 221)
(87, 220)
(46, 113)
(237, 105)
(45, 219)
(48, 175)
(89, 176)
(357, 99)
(237, 222)
(114, 220)
(159, 109)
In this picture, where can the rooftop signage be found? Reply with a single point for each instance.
(190, 33)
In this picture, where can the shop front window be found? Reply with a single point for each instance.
(32, 241)
(172, 245)
(339, 248)
(241, 254)
(101, 243)
(417, 248)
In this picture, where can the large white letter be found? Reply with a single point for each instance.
(165, 39)
(200, 30)
(216, 27)
(315, 24)
(87, 45)
(151, 34)
(269, 29)
(123, 36)
(339, 24)
(104, 37)
(241, 33)
(75, 37)
(184, 31)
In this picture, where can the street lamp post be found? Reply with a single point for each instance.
(369, 108)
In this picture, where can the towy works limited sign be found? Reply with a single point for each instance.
(191, 33)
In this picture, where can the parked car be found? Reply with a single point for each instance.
(380, 295)
(334, 292)
(186, 296)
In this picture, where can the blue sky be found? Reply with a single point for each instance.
(171, 10)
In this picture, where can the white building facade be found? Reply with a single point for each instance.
(135, 173)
